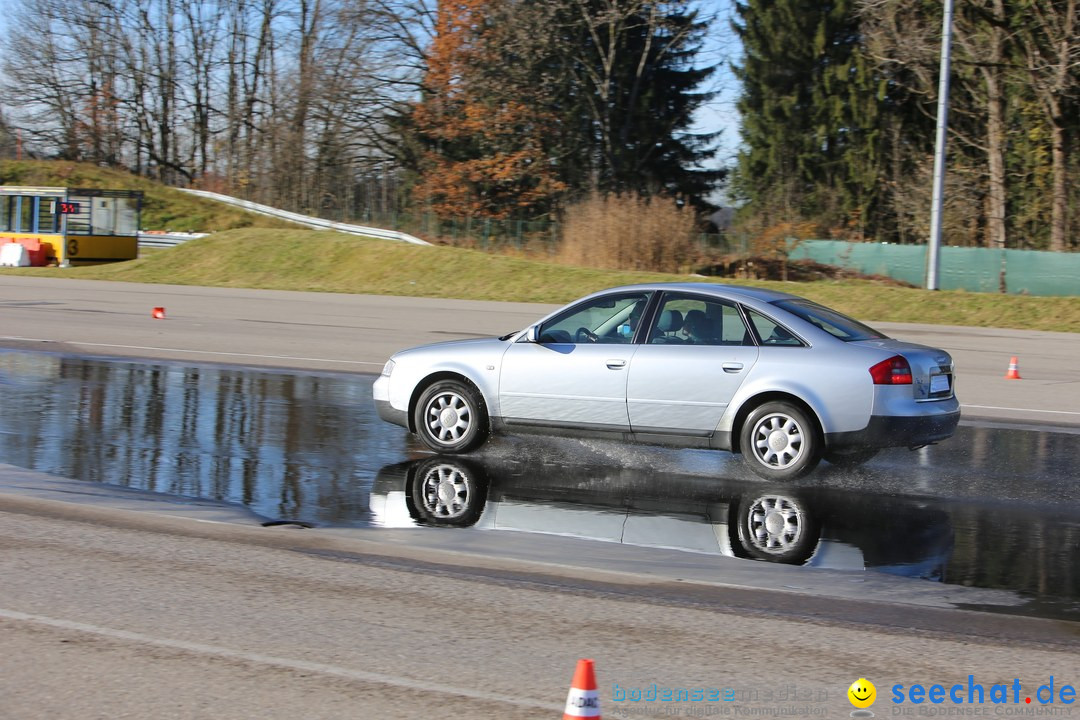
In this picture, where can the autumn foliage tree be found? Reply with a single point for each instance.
(483, 141)
(528, 106)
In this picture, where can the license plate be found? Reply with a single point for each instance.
(939, 383)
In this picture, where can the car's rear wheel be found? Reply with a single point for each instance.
(780, 441)
(775, 528)
(451, 417)
(850, 458)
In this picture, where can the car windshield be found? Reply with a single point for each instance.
(832, 322)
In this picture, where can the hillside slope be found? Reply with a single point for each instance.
(164, 208)
(323, 261)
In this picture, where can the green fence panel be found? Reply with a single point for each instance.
(1030, 272)
(1042, 273)
(973, 269)
(902, 262)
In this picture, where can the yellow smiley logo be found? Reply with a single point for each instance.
(862, 693)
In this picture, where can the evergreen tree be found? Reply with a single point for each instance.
(514, 120)
(810, 111)
(635, 61)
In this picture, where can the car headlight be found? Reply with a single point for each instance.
(388, 368)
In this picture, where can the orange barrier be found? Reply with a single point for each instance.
(39, 252)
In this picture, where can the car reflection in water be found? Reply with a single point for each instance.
(810, 526)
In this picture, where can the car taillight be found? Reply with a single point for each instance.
(894, 371)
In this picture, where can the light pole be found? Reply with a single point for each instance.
(934, 256)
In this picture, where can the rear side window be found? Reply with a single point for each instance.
(836, 324)
(770, 332)
(694, 320)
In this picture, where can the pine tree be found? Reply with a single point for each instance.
(635, 60)
(514, 120)
(810, 111)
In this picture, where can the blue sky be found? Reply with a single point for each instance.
(722, 48)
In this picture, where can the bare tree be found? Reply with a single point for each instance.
(1051, 52)
(50, 73)
(905, 40)
(203, 25)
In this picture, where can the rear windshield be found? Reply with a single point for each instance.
(832, 322)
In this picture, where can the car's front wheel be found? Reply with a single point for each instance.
(447, 494)
(780, 441)
(451, 417)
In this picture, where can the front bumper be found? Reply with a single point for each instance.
(391, 414)
(381, 394)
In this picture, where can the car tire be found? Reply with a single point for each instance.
(850, 458)
(780, 441)
(446, 493)
(451, 417)
(775, 528)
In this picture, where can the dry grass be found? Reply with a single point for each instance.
(628, 232)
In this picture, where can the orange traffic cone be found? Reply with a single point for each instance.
(158, 313)
(583, 700)
(1014, 370)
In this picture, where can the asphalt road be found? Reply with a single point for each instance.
(114, 605)
(359, 332)
(108, 613)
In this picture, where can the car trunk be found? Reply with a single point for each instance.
(931, 368)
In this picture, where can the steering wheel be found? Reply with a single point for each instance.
(584, 334)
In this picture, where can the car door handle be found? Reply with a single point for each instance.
(732, 367)
(616, 364)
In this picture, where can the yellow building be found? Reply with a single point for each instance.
(78, 226)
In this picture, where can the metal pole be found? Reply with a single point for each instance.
(934, 258)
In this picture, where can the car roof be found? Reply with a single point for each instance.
(718, 289)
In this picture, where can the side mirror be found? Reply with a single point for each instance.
(532, 334)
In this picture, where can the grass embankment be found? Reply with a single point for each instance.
(164, 208)
(331, 262)
(250, 253)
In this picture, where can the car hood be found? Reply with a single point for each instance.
(471, 344)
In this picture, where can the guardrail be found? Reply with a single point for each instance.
(166, 240)
(308, 221)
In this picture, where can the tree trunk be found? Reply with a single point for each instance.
(995, 150)
(1060, 202)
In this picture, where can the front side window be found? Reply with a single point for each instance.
(693, 320)
(604, 320)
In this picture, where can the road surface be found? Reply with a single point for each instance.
(114, 605)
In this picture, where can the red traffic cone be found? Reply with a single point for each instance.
(158, 313)
(1014, 370)
(583, 700)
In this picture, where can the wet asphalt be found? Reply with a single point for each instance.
(992, 507)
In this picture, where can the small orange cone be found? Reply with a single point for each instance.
(1014, 370)
(583, 700)
(158, 313)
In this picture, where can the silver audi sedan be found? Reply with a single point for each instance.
(780, 379)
